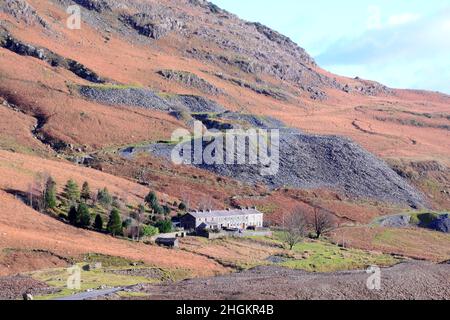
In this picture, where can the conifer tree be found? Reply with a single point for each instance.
(115, 222)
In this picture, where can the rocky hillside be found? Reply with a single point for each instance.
(140, 69)
(245, 47)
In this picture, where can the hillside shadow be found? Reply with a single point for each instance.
(25, 197)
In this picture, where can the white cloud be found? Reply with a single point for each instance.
(374, 20)
(408, 51)
(402, 19)
(446, 25)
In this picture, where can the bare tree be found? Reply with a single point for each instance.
(36, 191)
(138, 216)
(295, 227)
(322, 222)
(206, 204)
(186, 199)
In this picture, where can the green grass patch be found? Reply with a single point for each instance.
(110, 261)
(89, 280)
(388, 236)
(268, 208)
(107, 275)
(325, 257)
(166, 95)
(10, 144)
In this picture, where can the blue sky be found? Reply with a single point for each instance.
(401, 43)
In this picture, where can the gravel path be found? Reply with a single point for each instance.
(91, 295)
(412, 280)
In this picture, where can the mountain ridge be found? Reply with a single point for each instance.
(171, 51)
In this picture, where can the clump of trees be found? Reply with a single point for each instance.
(297, 225)
(79, 216)
(42, 193)
(87, 210)
(152, 201)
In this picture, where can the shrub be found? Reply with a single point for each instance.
(127, 223)
(104, 197)
(424, 219)
(166, 210)
(164, 226)
(152, 200)
(149, 231)
(117, 203)
(182, 206)
(158, 210)
(141, 208)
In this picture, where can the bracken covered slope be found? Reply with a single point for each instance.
(177, 57)
(140, 69)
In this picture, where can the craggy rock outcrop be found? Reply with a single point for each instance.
(7, 41)
(371, 88)
(22, 11)
(97, 5)
(284, 41)
(150, 25)
(315, 93)
(247, 46)
(190, 80)
(211, 7)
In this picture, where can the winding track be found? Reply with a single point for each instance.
(91, 295)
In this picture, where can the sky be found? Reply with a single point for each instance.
(400, 43)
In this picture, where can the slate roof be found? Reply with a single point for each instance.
(224, 213)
